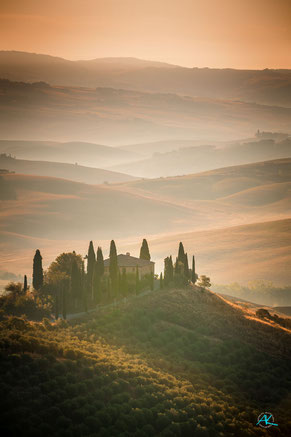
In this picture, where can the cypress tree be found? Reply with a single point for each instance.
(113, 268)
(25, 284)
(97, 275)
(186, 266)
(144, 250)
(171, 269)
(177, 266)
(100, 262)
(90, 267)
(181, 253)
(109, 288)
(37, 274)
(168, 270)
(83, 287)
(193, 273)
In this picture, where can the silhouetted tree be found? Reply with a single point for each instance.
(109, 289)
(171, 268)
(25, 284)
(63, 263)
(97, 275)
(90, 267)
(193, 273)
(144, 250)
(37, 275)
(186, 266)
(177, 269)
(100, 262)
(83, 287)
(59, 275)
(168, 270)
(113, 268)
(181, 253)
(204, 281)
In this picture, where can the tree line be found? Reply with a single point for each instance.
(179, 274)
(70, 285)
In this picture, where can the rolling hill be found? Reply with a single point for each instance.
(173, 362)
(187, 160)
(39, 111)
(57, 214)
(62, 209)
(271, 87)
(87, 154)
(235, 254)
(78, 173)
(220, 183)
(147, 150)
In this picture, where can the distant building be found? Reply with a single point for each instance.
(130, 263)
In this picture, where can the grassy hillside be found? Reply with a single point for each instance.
(236, 254)
(177, 362)
(219, 183)
(39, 111)
(61, 209)
(263, 86)
(78, 173)
(57, 215)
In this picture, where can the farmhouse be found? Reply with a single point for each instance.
(130, 263)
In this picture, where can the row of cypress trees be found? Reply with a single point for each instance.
(178, 273)
(66, 276)
(88, 287)
(116, 283)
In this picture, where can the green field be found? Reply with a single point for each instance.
(172, 363)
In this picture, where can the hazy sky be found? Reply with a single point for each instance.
(213, 33)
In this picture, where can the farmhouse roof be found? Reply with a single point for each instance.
(129, 261)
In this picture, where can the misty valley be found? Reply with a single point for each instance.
(145, 223)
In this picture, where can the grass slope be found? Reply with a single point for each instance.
(235, 254)
(62, 209)
(218, 183)
(173, 363)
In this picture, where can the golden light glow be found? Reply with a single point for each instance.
(212, 33)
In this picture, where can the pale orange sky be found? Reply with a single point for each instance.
(212, 33)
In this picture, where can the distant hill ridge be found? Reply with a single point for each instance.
(114, 115)
(262, 86)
